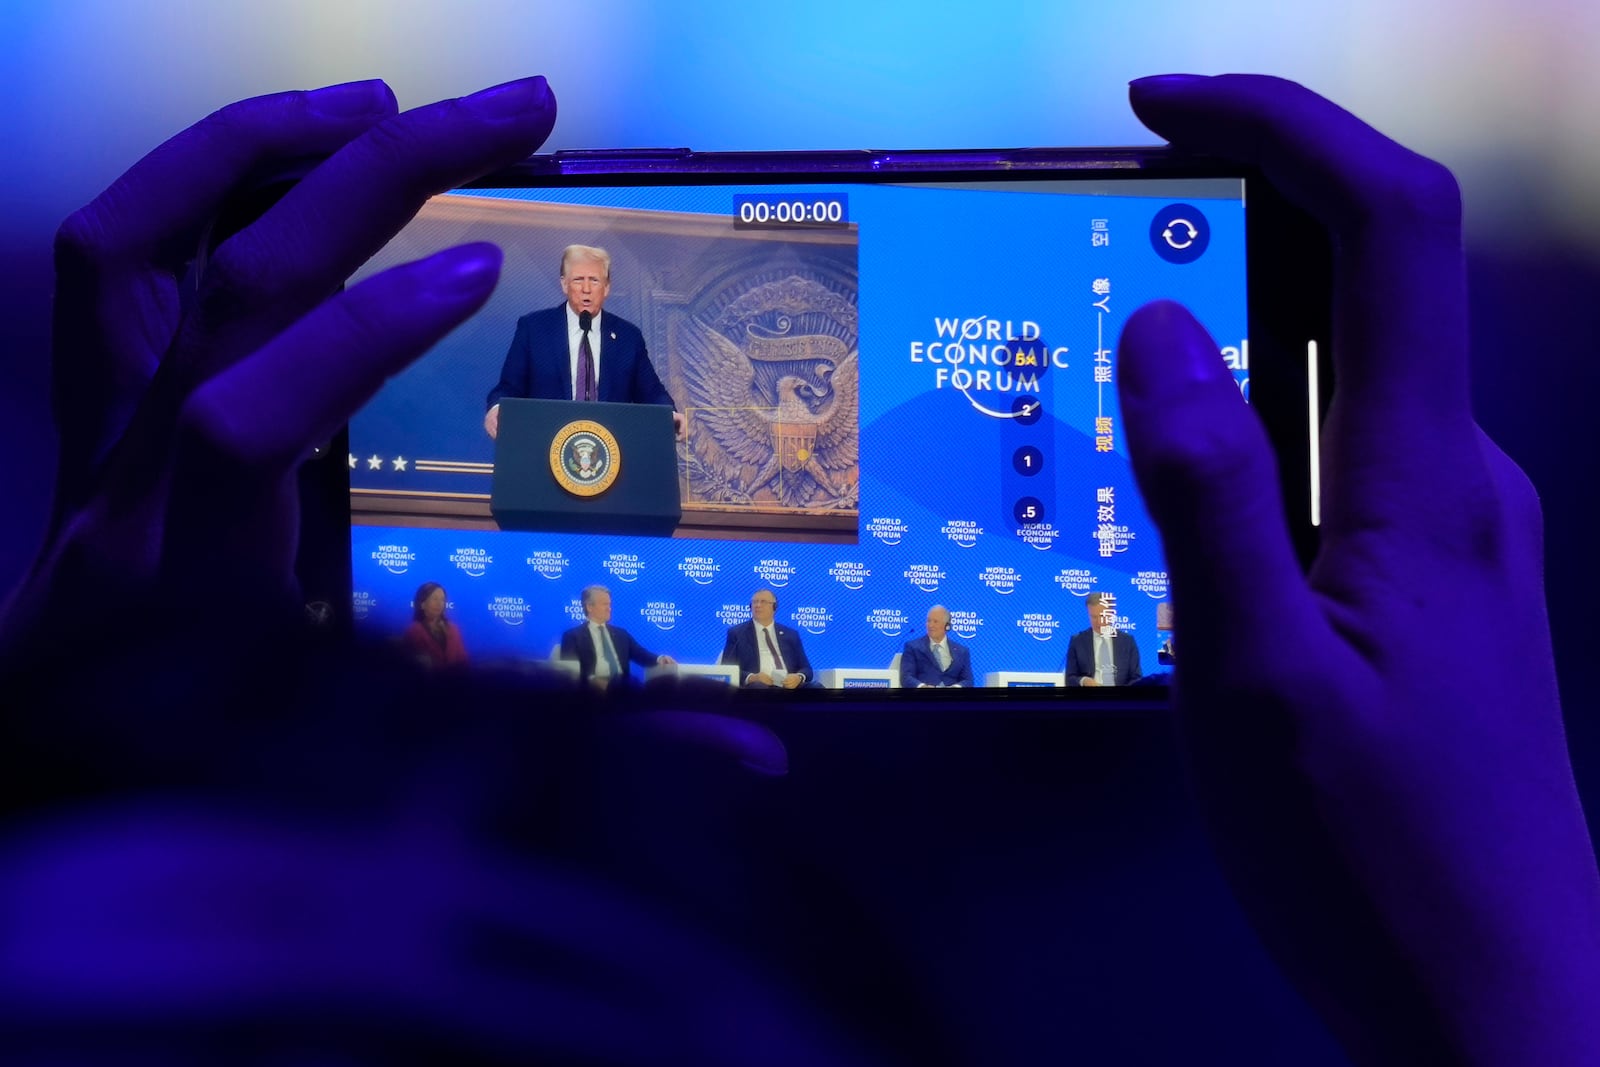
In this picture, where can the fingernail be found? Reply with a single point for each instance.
(1167, 81)
(1164, 351)
(351, 100)
(466, 270)
(511, 100)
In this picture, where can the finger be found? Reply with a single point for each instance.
(242, 434)
(157, 210)
(1207, 473)
(117, 258)
(1399, 302)
(345, 210)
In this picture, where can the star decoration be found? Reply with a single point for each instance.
(352, 461)
(399, 463)
(374, 463)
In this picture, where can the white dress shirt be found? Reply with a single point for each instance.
(769, 666)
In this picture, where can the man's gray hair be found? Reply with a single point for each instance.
(591, 591)
(572, 252)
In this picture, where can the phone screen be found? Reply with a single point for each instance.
(895, 397)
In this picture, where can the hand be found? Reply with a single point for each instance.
(759, 679)
(793, 681)
(1403, 829)
(665, 660)
(183, 423)
(329, 892)
(491, 422)
(1086, 680)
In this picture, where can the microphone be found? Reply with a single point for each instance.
(585, 320)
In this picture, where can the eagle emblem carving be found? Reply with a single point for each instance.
(774, 399)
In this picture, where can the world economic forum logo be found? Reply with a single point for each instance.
(473, 562)
(1039, 625)
(962, 532)
(813, 620)
(997, 363)
(662, 614)
(549, 564)
(701, 570)
(775, 572)
(1002, 580)
(891, 622)
(1076, 580)
(624, 566)
(1039, 535)
(396, 559)
(850, 574)
(1152, 584)
(511, 610)
(733, 614)
(889, 531)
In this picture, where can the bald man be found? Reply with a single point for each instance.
(934, 661)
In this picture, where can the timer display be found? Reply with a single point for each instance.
(790, 209)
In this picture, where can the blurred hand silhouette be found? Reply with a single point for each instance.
(1378, 744)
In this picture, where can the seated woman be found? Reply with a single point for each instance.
(431, 637)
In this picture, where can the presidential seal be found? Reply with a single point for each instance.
(584, 458)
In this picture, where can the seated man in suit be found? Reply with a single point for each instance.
(935, 660)
(768, 654)
(1100, 655)
(604, 651)
(577, 351)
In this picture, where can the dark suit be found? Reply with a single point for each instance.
(1124, 656)
(578, 644)
(919, 667)
(741, 648)
(539, 363)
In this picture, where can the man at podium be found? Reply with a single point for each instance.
(578, 351)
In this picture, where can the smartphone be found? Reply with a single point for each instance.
(891, 378)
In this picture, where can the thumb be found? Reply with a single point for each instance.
(1210, 481)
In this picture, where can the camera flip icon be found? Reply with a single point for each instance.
(1180, 233)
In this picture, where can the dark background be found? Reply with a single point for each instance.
(1150, 958)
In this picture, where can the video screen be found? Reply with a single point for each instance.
(891, 408)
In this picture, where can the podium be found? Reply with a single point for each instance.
(577, 466)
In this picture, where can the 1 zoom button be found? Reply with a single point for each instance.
(1180, 233)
